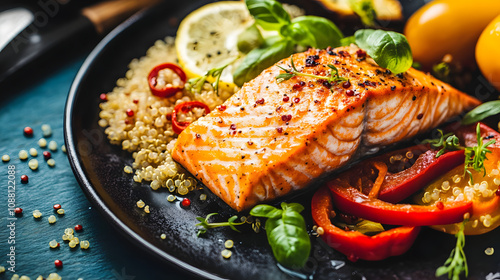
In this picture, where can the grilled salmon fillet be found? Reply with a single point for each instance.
(273, 137)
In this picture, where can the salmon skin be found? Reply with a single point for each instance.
(274, 137)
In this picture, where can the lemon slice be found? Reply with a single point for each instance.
(207, 38)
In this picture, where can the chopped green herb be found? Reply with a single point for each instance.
(293, 71)
(447, 142)
(204, 225)
(475, 156)
(457, 262)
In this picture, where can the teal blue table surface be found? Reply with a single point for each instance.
(24, 240)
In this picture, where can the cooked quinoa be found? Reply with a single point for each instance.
(146, 132)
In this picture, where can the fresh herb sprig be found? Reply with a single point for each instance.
(457, 262)
(196, 84)
(204, 225)
(474, 156)
(447, 142)
(293, 71)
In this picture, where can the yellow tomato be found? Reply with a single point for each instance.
(488, 52)
(454, 186)
(449, 27)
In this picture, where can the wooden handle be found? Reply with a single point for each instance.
(109, 14)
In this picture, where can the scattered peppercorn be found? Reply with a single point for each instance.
(186, 202)
(18, 210)
(286, 98)
(28, 131)
(440, 205)
(296, 100)
(78, 227)
(279, 129)
(57, 206)
(232, 127)
(103, 97)
(420, 116)
(130, 113)
(46, 155)
(346, 84)
(311, 60)
(58, 263)
(286, 118)
(24, 179)
(260, 101)
(222, 108)
(349, 92)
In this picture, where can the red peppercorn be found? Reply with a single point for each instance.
(222, 108)
(130, 113)
(296, 100)
(346, 84)
(46, 155)
(78, 227)
(349, 92)
(135, 101)
(24, 179)
(103, 97)
(286, 98)
(186, 202)
(498, 192)
(232, 127)
(260, 101)
(279, 129)
(28, 131)
(58, 263)
(420, 116)
(18, 210)
(286, 118)
(440, 205)
(57, 206)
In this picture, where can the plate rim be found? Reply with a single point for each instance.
(75, 160)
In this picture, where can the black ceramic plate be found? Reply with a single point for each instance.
(98, 166)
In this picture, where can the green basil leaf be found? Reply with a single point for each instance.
(268, 14)
(266, 211)
(289, 239)
(297, 207)
(389, 49)
(313, 31)
(347, 41)
(482, 111)
(261, 58)
(249, 39)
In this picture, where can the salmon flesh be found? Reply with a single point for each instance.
(273, 137)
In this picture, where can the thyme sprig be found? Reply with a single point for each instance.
(457, 262)
(474, 156)
(292, 72)
(447, 142)
(204, 225)
(196, 84)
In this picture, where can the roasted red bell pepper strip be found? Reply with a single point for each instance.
(166, 91)
(354, 244)
(352, 201)
(185, 107)
(398, 186)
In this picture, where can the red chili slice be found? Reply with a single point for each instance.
(185, 107)
(167, 91)
(354, 244)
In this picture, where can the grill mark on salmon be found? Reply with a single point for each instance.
(251, 153)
